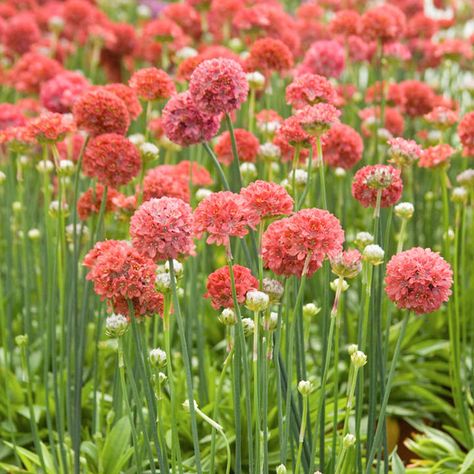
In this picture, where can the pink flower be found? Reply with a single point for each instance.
(292, 132)
(195, 172)
(218, 85)
(418, 280)
(91, 200)
(129, 97)
(301, 242)
(466, 134)
(384, 23)
(309, 89)
(370, 179)
(403, 152)
(442, 117)
(247, 146)
(184, 124)
(347, 264)
(163, 228)
(268, 55)
(342, 146)
(152, 84)
(165, 181)
(436, 156)
(223, 215)
(317, 119)
(219, 286)
(325, 57)
(268, 199)
(51, 127)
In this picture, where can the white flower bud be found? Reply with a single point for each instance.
(340, 172)
(149, 151)
(466, 178)
(248, 326)
(34, 234)
(256, 80)
(269, 127)
(363, 239)
(374, 254)
(163, 282)
(143, 12)
(17, 207)
(305, 387)
(227, 317)
(116, 325)
(351, 348)
(281, 469)
(404, 210)
(56, 24)
(185, 53)
(203, 193)
(334, 284)
(3, 177)
(449, 236)
(66, 168)
(177, 267)
(55, 207)
(273, 288)
(269, 151)
(271, 322)
(256, 300)
(359, 359)
(248, 171)
(137, 139)
(459, 195)
(301, 177)
(349, 440)
(45, 166)
(158, 358)
(310, 310)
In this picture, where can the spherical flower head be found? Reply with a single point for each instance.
(256, 300)
(466, 178)
(345, 23)
(152, 83)
(318, 119)
(269, 55)
(256, 80)
(61, 92)
(269, 152)
(404, 210)
(369, 180)
(162, 181)
(342, 146)
(442, 117)
(273, 288)
(195, 172)
(293, 133)
(116, 325)
(374, 254)
(158, 358)
(403, 152)
(90, 201)
(268, 199)
(20, 33)
(305, 387)
(112, 159)
(223, 215)
(418, 280)
(459, 195)
(129, 97)
(324, 57)
(98, 111)
(383, 23)
(300, 243)
(415, 98)
(218, 86)
(436, 156)
(50, 127)
(219, 288)
(347, 264)
(163, 228)
(358, 359)
(227, 317)
(11, 116)
(310, 310)
(362, 239)
(247, 147)
(310, 89)
(466, 134)
(185, 124)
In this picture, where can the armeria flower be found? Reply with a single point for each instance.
(293, 133)
(383, 23)
(61, 92)
(442, 117)
(415, 98)
(184, 124)
(369, 180)
(309, 89)
(269, 55)
(163, 228)
(195, 172)
(466, 133)
(163, 181)
(342, 146)
(345, 23)
(120, 273)
(50, 127)
(418, 280)
(222, 215)
(20, 33)
(152, 83)
(247, 147)
(393, 120)
(347, 264)
(129, 97)
(98, 111)
(219, 288)
(300, 243)
(11, 116)
(437, 155)
(268, 199)
(325, 57)
(218, 86)
(318, 119)
(112, 159)
(403, 152)
(90, 201)
(268, 121)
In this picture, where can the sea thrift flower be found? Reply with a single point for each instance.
(345, 23)
(268, 199)
(195, 172)
(309, 89)
(347, 264)
(163, 228)
(50, 127)
(393, 120)
(112, 159)
(21, 33)
(383, 23)
(325, 58)
(98, 111)
(218, 85)
(219, 288)
(162, 181)
(369, 180)
(342, 146)
(418, 280)
(247, 146)
(300, 243)
(403, 152)
(90, 201)
(184, 124)
(152, 84)
(442, 117)
(11, 116)
(268, 121)
(437, 155)
(317, 119)
(129, 97)
(415, 98)
(466, 134)
(269, 55)
(293, 133)
(223, 215)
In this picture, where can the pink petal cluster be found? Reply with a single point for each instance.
(129, 97)
(418, 280)
(50, 127)
(317, 119)
(163, 228)
(218, 86)
(347, 264)
(466, 134)
(442, 117)
(165, 181)
(222, 215)
(293, 133)
(437, 155)
(342, 146)
(152, 84)
(309, 89)
(184, 124)
(325, 57)
(385, 23)
(369, 180)
(219, 288)
(307, 237)
(247, 147)
(402, 151)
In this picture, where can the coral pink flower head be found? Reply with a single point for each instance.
(466, 134)
(269, 55)
(385, 23)
(309, 89)
(218, 86)
(51, 127)
(268, 199)
(347, 264)
(342, 146)
(442, 117)
(292, 132)
(184, 124)
(164, 181)
(129, 97)
(415, 98)
(98, 111)
(325, 57)
(91, 200)
(345, 23)
(301, 242)
(152, 83)
(222, 215)
(247, 146)
(318, 119)
(163, 228)
(219, 288)
(437, 155)
(195, 172)
(418, 280)
(403, 152)
(112, 159)
(370, 179)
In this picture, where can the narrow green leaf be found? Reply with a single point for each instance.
(117, 442)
